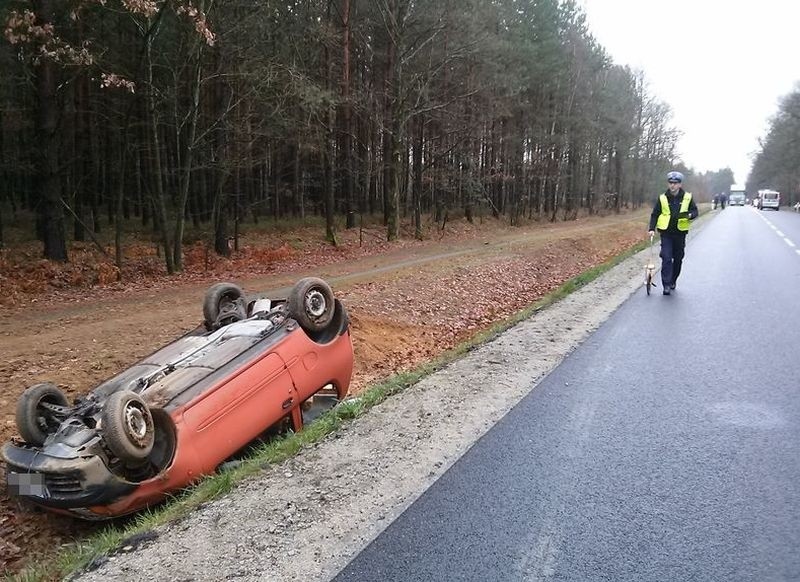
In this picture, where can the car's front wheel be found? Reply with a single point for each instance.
(127, 426)
(40, 412)
(311, 303)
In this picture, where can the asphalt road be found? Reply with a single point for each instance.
(665, 448)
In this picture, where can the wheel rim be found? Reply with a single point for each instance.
(136, 424)
(315, 303)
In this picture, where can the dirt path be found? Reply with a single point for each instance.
(407, 304)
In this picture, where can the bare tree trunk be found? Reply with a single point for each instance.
(347, 122)
(84, 158)
(330, 142)
(159, 203)
(51, 213)
(416, 191)
(188, 159)
(219, 207)
(98, 138)
(220, 217)
(330, 180)
(468, 184)
(122, 160)
(570, 207)
(387, 142)
(617, 180)
(393, 124)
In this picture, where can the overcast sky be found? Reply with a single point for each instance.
(721, 65)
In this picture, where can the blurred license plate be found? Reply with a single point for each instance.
(30, 484)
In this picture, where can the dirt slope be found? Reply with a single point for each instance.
(408, 301)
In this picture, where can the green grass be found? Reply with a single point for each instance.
(81, 554)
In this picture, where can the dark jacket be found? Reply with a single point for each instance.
(674, 209)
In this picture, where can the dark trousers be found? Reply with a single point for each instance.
(672, 247)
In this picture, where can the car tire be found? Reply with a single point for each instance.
(216, 297)
(127, 426)
(34, 421)
(338, 325)
(311, 304)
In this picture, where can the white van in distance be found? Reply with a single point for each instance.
(769, 199)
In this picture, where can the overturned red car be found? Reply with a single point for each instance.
(179, 413)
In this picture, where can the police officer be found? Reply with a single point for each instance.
(671, 215)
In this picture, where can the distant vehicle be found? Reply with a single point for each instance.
(736, 199)
(769, 199)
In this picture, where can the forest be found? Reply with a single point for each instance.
(776, 165)
(201, 116)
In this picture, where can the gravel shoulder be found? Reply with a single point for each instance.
(307, 517)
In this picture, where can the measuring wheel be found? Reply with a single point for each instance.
(650, 269)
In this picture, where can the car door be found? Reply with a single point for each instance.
(241, 407)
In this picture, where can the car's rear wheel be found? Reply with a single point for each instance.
(221, 298)
(37, 412)
(127, 426)
(311, 303)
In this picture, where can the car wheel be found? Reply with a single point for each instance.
(36, 418)
(311, 303)
(220, 298)
(127, 426)
(339, 323)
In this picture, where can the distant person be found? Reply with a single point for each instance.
(723, 199)
(715, 201)
(671, 215)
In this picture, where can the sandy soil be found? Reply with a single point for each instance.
(408, 303)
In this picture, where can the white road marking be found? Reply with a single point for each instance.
(785, 238)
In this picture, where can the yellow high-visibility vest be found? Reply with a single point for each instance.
(663, 219)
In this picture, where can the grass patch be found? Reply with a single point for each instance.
(116, 538)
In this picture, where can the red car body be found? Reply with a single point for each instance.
(208, 394)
